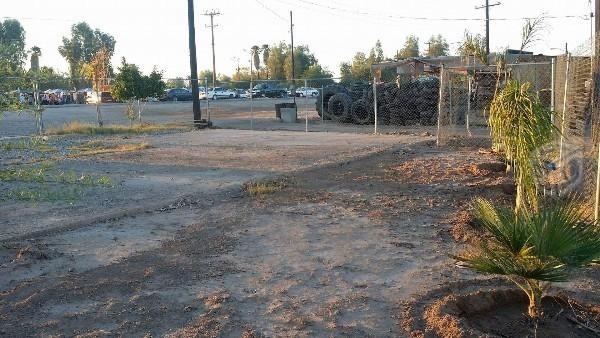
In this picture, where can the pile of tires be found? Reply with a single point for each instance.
(409, 102)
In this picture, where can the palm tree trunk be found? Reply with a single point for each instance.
(535, 299)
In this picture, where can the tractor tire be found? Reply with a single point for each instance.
(324, 96)
(339, 107)
(361, 114)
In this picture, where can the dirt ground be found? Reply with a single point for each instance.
(361, 231)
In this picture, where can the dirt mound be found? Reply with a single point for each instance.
(496, 310)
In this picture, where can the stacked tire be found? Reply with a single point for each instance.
(324, 97)
(340, 107)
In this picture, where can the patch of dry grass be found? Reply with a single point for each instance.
(90, 129)
(96, 148)
(257, 188)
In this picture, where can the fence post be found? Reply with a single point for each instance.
(305, 107)
(437, 139)
(206, 96)
(322, 105)
(251, 101)
(468, 105)
(597, 199)
(139, 111)
(552, 86)
(562, 123)
(375, 102)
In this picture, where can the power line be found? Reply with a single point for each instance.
(398, 17)
(270, 10)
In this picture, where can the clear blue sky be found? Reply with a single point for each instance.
(154, 32)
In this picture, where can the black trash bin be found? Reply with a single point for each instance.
(278, 107)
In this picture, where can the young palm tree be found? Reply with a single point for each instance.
(520, 126)
(534, 249)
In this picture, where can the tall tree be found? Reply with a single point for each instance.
(303, 59)
(473, 46)
(36, 52)
(48, 78)
(128, 83)
(361, 67)
(346, 73)
(321, 76)
(256, 56)
(242, 78)
(154, 86)
(82, 47)
(97, 70)
(179, 82)
(265, 57)
(437, 46)
(12, 43)
(276, 61)
(203, 75)
(376, 54)
(410, 49)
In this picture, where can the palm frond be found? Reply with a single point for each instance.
(562, 230)
(496, 260)
(502, 224)
(540, 246)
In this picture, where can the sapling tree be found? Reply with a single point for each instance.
(131, 85)
(130, 112)
(98, 71)
(520, 126)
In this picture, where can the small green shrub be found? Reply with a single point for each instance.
(534, 249)
(263, 187)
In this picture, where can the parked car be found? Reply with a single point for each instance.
(242, 93)
(104, 97)
(268, 89)
(177, 94)
(219, 93)
(307, 92)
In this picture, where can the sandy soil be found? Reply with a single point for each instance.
(330, 254)
(341, 251)
(178, 165)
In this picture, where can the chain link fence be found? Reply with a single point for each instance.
(573, 156)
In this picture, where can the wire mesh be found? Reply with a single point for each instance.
(573, 155)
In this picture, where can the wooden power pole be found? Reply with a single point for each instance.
(293, 58)
(212, 33)
(193, 65)
(487, 24)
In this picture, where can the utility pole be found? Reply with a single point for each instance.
(596, 102)
(193, 64)
(429, 48)
(487, 24)
(212, 33)
(293, 61)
